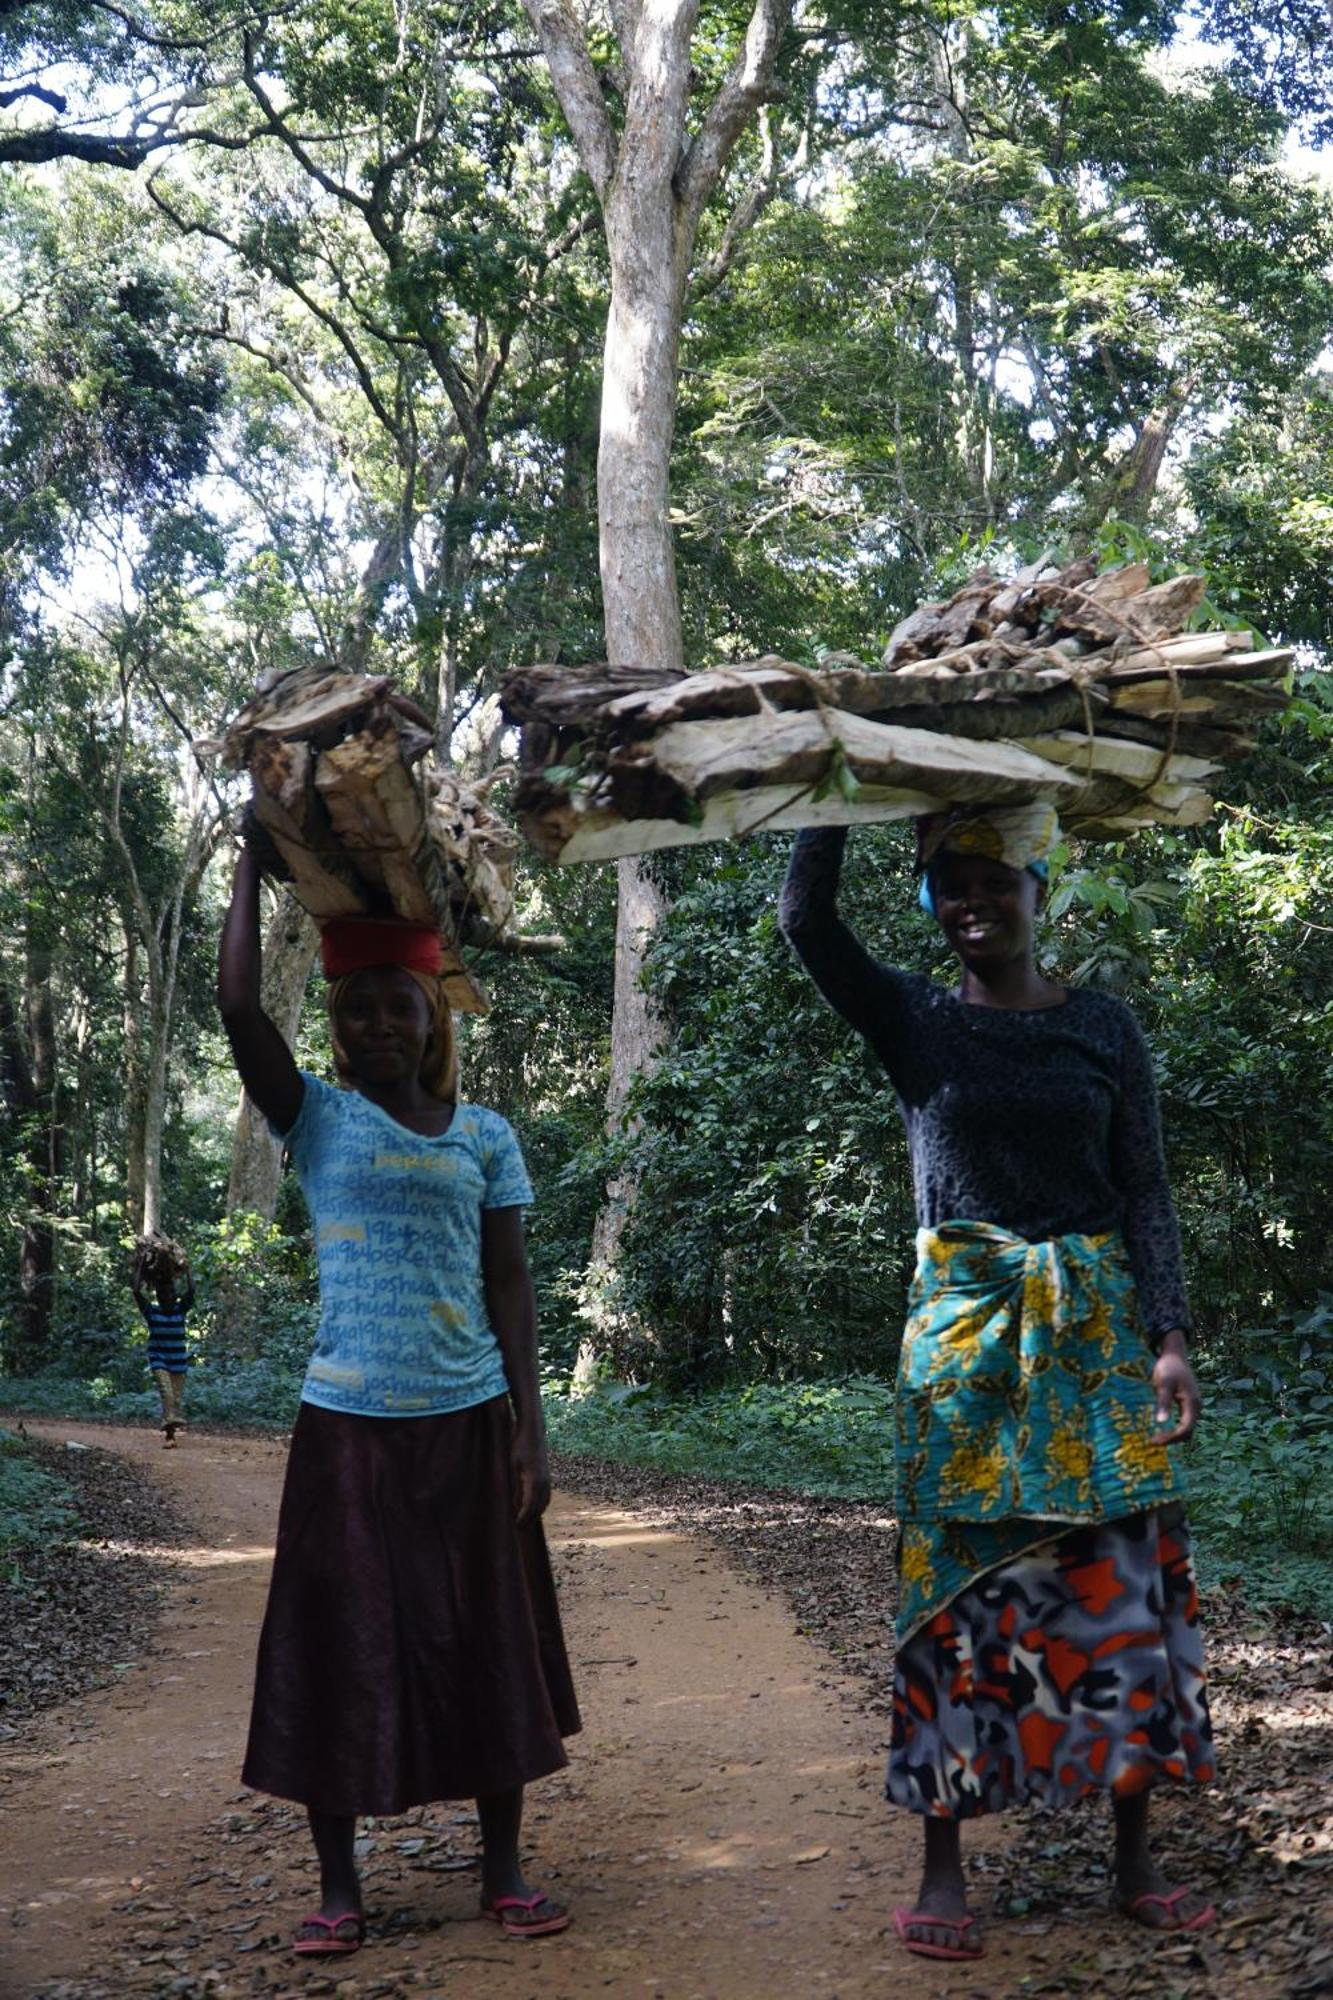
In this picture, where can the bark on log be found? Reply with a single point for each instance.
(350, 812)
(1091, 678)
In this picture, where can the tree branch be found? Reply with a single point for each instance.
(52, 97)
(747, 85)
(747, 211)
(285, 277)
(575, 79)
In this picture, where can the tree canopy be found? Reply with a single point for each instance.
(302, 356)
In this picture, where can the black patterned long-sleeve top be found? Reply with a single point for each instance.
(1044, 1122)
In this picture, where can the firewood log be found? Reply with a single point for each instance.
(1098, 678)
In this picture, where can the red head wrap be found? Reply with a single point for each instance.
(350, 944)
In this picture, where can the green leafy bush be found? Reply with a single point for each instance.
(35, 1506)
(833, 1438)
(1259, 1470)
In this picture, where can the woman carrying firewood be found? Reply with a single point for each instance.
(412, 1648)
(1048, 1638)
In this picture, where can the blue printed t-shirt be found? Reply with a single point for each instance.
(403, 1329)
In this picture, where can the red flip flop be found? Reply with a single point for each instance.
(332, 1944)
(1198, 1922)
(530, 1925)
(904, 1919)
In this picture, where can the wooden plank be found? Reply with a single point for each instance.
(1235, 663)
(1207, 698)
(707, 771)
(595, 834)
(705, 758)
(1116, 757)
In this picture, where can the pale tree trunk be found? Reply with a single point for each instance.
(653, 181)
(37, 1260)
(638, 1032)
(155, 1098)
(163, 948)
(150, 1005)
(134, 1083)
(290, 944)
(1138, 475)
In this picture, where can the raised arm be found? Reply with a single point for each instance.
(263, 1060)
(867, 994)
(137, 1285)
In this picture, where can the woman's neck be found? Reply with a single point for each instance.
(1017, 984)
(411, 1104)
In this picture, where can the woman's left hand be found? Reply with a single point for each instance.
(532, 1473)
(1177, 1390)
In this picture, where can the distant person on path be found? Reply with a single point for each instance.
(412, 1648)
(1048, 1637)
(158, 1268)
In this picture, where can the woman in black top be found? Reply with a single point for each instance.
(1048, 1638)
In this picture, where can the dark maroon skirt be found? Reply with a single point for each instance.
(412, 1647)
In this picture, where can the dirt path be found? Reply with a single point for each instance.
(720, 1831)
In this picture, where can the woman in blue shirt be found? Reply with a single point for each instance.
(412, 1648)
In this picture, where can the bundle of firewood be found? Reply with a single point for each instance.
(157, 1256)
(351, 810)
(1086, 690)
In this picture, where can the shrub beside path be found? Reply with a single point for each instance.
(720, 1831)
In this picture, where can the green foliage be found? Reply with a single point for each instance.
(1256, 1474)
(228, 1394)
(1259, 1472)
(773, 1222)
(35, 1506)
(833, 1438)
(258, 1293)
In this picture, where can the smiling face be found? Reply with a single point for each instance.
(384, 1024)
(985, 908)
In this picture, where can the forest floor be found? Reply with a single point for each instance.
(720, 1831)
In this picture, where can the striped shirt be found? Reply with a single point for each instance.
(166, 1338)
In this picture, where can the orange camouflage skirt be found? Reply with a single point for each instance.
(1074, 1667)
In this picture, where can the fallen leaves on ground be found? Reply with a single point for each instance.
(219, 1928)
(1259, 1841)
(78, 1612)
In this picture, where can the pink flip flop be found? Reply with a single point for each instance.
(332, 1944)
(904, 1919)
(1198, 1922)
(515, 1926)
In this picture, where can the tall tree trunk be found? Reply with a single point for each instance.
(638, 1032)
(155, 1097)
(135, 1105)
(37, 1260)
(290, 945)
(653, 180)
(641, 610)
(1137, 476)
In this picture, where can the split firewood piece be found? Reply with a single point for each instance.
(354, 814)
(700, 781)
(291, 814)
(1199, 654)
(754, 685)
(1205, 699)
(1053, 656)
(378, 813)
